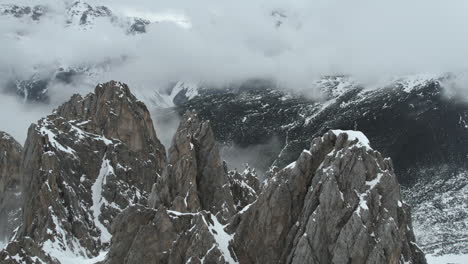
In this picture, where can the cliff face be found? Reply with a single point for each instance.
(82, 165)
(97, 188)
(10, 191)
(338, 203)
(195, 178)
(189, 206)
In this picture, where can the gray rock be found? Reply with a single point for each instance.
(10, 191)
(195, 178)
(84, 164)
(338, 203)
(145, 235)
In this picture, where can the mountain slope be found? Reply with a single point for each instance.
(409, 119)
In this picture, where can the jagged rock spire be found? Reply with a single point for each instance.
(195, 179)
(190, 206)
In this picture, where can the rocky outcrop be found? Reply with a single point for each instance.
(195, 178)
(189, 207)
(338, 203)
(10, 191)
(82, 165)
(244, 186)
(145, 235)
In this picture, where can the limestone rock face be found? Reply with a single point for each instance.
(82, 165)
(196, 178)
(10, 191)
(338, 203)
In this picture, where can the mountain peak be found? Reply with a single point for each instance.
(83, 165)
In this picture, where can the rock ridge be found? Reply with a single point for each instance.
(97, 187)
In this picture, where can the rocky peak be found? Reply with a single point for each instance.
(189, 207)
(10, 158)
(195, 178)
(82, 165)
(115, 113)
(338, 203)
(81, 13)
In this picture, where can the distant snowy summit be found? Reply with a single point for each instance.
(78, 14)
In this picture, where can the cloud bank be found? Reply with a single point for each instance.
(221, 42)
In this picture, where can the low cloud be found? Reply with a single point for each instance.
(227, 41)
(16, 117)
(257, 156)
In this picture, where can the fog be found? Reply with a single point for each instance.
(220, 42)
(258, 156)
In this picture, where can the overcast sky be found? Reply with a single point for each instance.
(221, 41)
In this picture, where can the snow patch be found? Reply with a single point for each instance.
(245, 208)
(222, 239)
(177, 213)
(445, 259)
(353, 135)
(291, 166)
(375, 181)
(51, 137)
(98, 200)
(66, 250)
(362, 203)
(412, 82)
